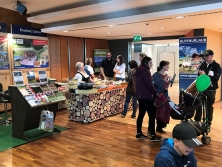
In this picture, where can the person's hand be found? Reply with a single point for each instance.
(201, 72)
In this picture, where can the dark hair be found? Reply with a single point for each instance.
(145, 61)
(121, 60)
(162, 63)
(109, 52)
(143, 55)
(133, 64)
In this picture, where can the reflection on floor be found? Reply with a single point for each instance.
(216, 128)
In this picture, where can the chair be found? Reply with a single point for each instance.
(4, 99)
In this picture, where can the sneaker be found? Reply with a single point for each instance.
(141, 136)
(133, 116)
(123, 116)
(155, 138)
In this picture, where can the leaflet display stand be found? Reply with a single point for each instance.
(27, 102)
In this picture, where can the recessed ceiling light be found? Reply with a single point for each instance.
(108, 33)
(162, 28)
(112, 25)
(65, 31)
(180, 17)
(150, 33)
(220, 29)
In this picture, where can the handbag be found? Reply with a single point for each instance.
(131, 83)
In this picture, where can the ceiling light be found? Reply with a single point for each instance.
(162, 28)
(180, 17)
(112, 25)
(108, 33)
(150, 33)
(220, 29)
(65, 31)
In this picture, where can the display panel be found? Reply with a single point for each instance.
(31, 77)
(43, 76)
(18, 78)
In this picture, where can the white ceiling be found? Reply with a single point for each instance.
(91, 19)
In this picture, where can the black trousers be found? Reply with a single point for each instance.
(146, 105)
(210, 99)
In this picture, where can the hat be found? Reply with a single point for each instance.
(187, 134)
(207, 52)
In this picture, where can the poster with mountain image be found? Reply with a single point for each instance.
(30, 53)
(4, 62)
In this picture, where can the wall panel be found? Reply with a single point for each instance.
(54, 54)
(64, 57)
(76, 53)
(92, 44)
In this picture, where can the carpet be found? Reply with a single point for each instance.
(8, 142)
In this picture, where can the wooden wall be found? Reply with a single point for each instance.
(92, 44)
(59, 47)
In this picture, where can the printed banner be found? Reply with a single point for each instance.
(30, 53)
(99, 55)
(15, 29)
(4, 62)
(190, 50)
(3, 27)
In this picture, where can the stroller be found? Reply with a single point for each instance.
(185, 111)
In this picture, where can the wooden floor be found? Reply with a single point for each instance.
(106, 143)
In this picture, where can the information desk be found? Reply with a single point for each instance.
(27, 102)
(91, 105)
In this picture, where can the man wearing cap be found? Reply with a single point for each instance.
(178, 151)
(213, 70)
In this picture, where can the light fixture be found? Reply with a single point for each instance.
(112, 25)
(180, 17)
(150, 33)
(108, 33)
(9, 35)
(21, 9)
(220, 29)
(65, 31)
(162, 28)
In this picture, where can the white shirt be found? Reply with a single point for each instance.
(90, 69)
(79, 76)
(122, 69)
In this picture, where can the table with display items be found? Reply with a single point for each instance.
(91, 105)
(27, 102)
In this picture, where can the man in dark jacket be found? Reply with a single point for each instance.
(213, 70)
(178, 152)
(146, 93)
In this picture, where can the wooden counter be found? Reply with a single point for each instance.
(89, 105)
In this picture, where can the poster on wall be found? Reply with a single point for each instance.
(4, 61)
(190, 50)
(99, 55)
(30, 53)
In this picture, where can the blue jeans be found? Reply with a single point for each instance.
(128, 97)
(120, 79)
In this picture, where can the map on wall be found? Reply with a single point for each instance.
(30, 53)
(4, 62)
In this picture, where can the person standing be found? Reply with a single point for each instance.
(131, 89)
(211, 68)
(88, 68)
(107, 66)
(178, 151)
(161, 82)
(120, 68)
(146, 93)
(142, 55)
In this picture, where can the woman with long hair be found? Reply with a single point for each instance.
(146, 93)
(120, 68)
(161, 82)
(131, 89)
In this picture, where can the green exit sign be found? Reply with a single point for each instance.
(137, 38)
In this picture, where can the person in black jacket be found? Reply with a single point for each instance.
(213, 70)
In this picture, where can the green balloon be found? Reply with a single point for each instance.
(203, 82)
